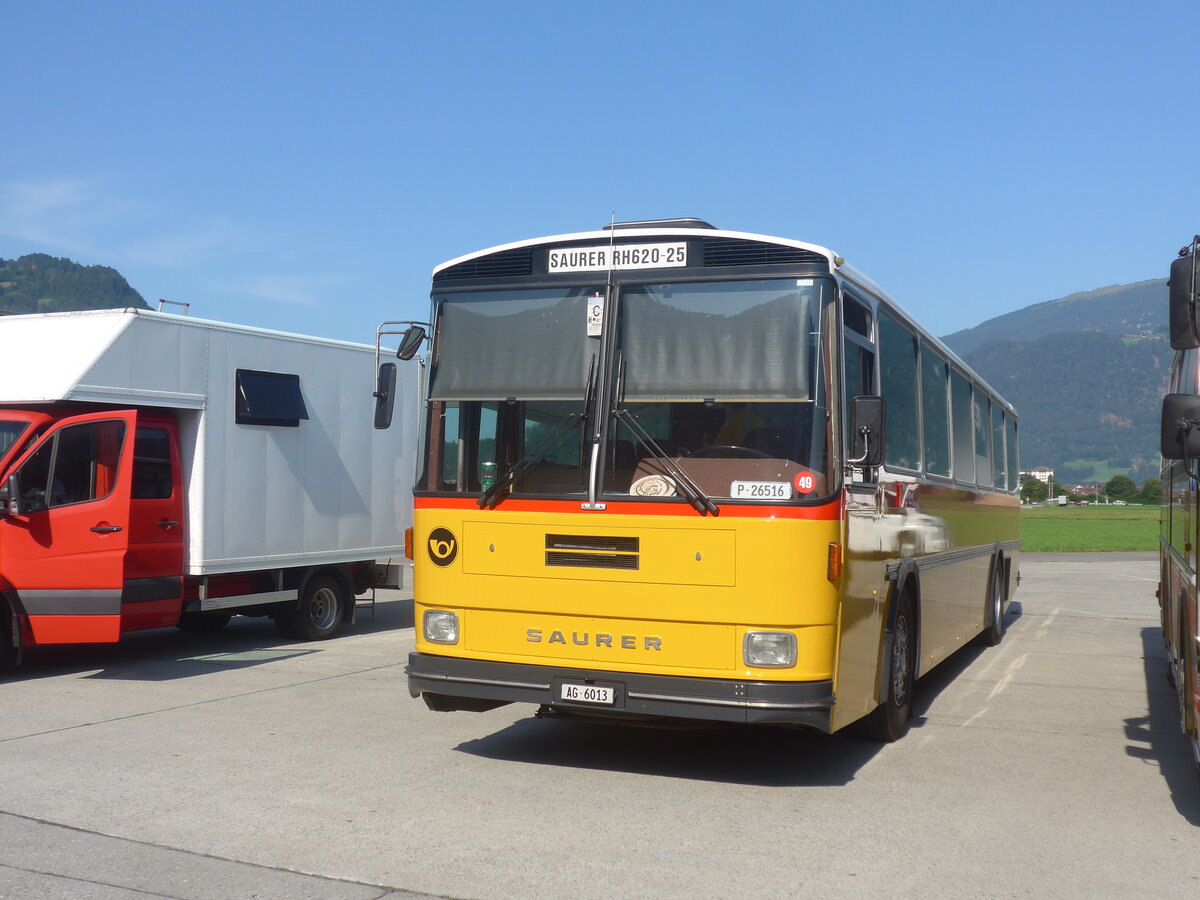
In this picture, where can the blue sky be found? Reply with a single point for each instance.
(304, 166)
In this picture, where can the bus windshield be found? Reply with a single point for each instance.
(508, 378)
(727, 380)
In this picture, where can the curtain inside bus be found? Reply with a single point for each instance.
(531, 345)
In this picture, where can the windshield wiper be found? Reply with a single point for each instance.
(691, 491)
(491, 497)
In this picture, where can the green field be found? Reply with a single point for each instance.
(1073, 529)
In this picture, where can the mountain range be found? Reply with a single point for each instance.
(1086, 373)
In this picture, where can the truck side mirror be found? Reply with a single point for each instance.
(385, 395)
(866, 432)
(10, 496)
(411, 342)
(1182, 290)
(1180, 432)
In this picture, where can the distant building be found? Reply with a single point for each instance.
(1042, 474)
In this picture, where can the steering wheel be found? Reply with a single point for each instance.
(737, 451)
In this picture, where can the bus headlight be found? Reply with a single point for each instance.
(441, 627)
(768, 649)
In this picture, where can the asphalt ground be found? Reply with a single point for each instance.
(241, 765)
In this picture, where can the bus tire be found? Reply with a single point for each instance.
(202, 623)
(889, 720)
(319, 614)
(993, 634)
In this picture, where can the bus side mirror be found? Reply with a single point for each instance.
(1182, 290)
(1181, 426)
(411, 342)
(866, 432)
(385, 395)
(10, 496)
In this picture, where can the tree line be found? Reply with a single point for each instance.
(38, 283)
(1120, 488)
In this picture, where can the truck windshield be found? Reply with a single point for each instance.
(729, 380)
(508, 368)
(10, 433)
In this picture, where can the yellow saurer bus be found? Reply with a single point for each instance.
(657, 484)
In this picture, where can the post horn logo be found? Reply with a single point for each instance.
(443, 546)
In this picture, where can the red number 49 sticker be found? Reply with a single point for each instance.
(805, 483)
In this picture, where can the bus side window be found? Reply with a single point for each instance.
(858, 352)
(1187, 372)
(935, 418)
(963, 428)
(860, 363)
(898, 384)
(1014, 471)
(981, 415)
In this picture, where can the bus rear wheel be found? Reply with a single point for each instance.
(889, 720)
(994, 633)
(1183, 689)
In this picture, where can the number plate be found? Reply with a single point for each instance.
(761, 490)
(620, 256)
(587, 693)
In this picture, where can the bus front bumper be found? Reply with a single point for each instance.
(448, 683)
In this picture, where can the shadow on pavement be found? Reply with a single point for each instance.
(754, 754)
(931, 686)
(749, 754)
(166, 654)
(1157, 738)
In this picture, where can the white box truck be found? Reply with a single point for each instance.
(158, 470)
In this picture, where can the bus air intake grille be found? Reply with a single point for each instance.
(497, 265)
(592, 542)
(732, 252)
(628, 562)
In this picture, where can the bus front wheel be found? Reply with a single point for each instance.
(889, 720)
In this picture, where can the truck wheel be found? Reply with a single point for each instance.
(889, 720)
(320, 610)
(12, 648)
(202, 623)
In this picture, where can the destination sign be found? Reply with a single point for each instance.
(620, 256)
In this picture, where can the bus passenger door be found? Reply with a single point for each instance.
(64, 552)
(864, 586)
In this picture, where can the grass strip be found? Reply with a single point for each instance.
(1078, 529)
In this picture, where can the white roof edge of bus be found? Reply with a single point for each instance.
(606, 236)
(845, 271)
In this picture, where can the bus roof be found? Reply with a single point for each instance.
(837, 265)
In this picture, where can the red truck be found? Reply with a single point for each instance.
(158, 470)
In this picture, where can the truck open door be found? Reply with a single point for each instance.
(65, 531)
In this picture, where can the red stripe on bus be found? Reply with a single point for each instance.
(828, 512)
